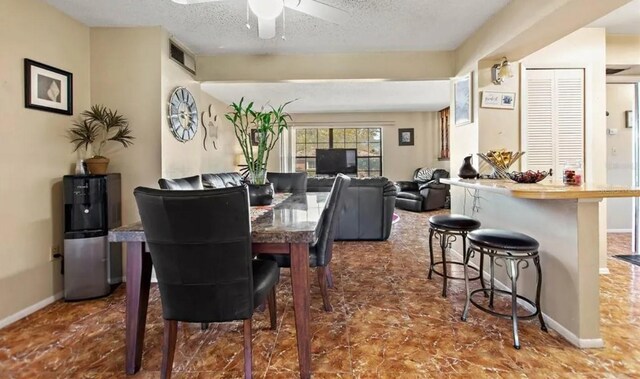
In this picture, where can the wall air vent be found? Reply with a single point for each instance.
(182, 57)
(613, 71)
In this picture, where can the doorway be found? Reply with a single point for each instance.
(622, 161)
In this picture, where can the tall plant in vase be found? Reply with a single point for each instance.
(268, 125)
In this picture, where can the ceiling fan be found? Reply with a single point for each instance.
(267, 11)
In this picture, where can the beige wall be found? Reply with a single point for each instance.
(623, 49)
(620, 98)
(35, 150)
(499, 128)
(398, 162)
(418, 65)
(190, 158)
(125, 75)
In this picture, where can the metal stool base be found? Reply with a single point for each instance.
(446, 237)
(505, 315)
(512, 264)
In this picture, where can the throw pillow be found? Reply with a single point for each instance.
(424, 174)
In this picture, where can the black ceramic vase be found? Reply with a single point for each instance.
(260, 194)
(466, 170)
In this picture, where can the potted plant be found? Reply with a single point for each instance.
(97, 126)
(268, 125)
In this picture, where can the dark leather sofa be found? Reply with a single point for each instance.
(222, 180)
(423, 193)
(369, 207)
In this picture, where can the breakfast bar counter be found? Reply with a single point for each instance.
(544, 190)
(566, 222)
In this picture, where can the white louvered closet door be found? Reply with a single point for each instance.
(553, 122)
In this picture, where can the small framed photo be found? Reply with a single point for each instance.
(463, 100)
(47, 88)
(405, 137)
(255, 137)
(499, 100)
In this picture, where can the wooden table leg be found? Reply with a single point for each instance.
(138, 283)
(301, 304)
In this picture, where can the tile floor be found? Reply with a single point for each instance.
(389, 321)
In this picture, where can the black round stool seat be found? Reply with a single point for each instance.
(502, 240)
(454, 222)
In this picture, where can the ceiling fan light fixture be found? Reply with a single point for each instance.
(266, 9)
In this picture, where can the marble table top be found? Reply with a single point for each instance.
(292, 218)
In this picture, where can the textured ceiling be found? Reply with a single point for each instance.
(624, 20)
(375, 25)
(339, 96)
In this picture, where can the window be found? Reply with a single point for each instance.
(366, 141)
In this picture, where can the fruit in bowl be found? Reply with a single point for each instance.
(529, 176)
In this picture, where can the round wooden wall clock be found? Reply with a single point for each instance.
(183, 114)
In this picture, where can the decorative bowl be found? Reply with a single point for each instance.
(529, 176)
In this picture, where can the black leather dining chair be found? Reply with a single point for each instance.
(291, 182)
(188, 183)
(321, 252)
(200, 245)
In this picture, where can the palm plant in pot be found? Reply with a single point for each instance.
(98, 126)
(268, 125)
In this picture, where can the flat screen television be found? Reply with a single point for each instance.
(334, 161)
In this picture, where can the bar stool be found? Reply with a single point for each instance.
(448, 228)
(515, 250)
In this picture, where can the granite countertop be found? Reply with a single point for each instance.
(291, 218)
(544, 190)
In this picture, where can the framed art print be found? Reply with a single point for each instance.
(47, 88)
(255, 137)
(499, 100)
(463, 101)
(405, 137)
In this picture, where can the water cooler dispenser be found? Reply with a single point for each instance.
(91, 207)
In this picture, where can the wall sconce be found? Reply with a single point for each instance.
(500, 71)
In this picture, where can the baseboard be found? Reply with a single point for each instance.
(583, 343)
(604, 271)
(31, 309)
(614, 231)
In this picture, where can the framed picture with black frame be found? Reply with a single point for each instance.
(47, 88)
(405, 137)
(255, 137)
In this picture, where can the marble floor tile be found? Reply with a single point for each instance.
(389, 321)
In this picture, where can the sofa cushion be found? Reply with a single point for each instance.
(184, 184)
(222, 180)
(411, 195)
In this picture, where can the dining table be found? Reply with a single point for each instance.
(287, 226)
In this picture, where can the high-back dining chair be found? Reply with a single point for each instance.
(293, 182)
(200, 245)
(321, 252)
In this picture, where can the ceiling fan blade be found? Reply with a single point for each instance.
(319, 10)
(189, 2)
(266, 28)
